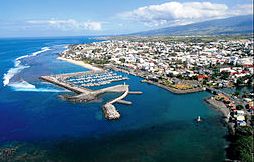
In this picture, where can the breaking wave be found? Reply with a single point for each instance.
(18, 67)
(25, 86)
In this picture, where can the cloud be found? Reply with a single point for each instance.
(246, 9)
(68, 25)
(176, 13)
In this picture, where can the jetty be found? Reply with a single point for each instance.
(63, 84)
(109, 109)
(73, 82)
(124, 102)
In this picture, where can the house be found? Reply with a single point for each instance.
(202, 77)
(238, 113)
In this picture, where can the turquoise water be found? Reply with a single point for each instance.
(158, 126)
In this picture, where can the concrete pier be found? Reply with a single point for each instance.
(64, 84)
(86, 95)
(135, 92)
(124, 102)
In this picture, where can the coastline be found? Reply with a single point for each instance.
(224, 111)
(173, 90)
(215, 106)
(161, 123)
(218, 106)
(80, 63)
(170, 89)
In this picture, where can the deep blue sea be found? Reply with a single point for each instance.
(158, 126)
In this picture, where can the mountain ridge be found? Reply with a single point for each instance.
(232, 25)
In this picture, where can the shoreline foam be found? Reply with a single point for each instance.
(80, 63)
(18, 67)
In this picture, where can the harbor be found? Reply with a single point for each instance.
(152, 116)
(78, 83)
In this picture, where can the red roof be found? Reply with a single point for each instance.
(202, 76)
(249, 65)
(242, 72)
(233, 73)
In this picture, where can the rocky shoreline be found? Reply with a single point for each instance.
(220, 107)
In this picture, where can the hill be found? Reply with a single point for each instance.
(232, 25)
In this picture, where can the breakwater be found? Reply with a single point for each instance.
(85, 94)
(151, 122)
(66, 85)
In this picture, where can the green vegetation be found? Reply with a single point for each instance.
(239, 82)
(243, 144)
(215, 73)
(239, 107)
(96, 61)
(225, 75)
(122, 60)
(167, 82)
(237, 93)
(244, 80)
(197, 39)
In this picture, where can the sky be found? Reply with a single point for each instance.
(39, 18)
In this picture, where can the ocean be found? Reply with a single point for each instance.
(158, 126)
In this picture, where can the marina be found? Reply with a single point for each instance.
(159, 122)
(95, 79)
(78, 83)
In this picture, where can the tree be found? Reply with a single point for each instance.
(243, 143)
(225, 75)
(179, 76)
(122, 60)
(237, 93)
(239, 107)
(204, 81)
(239, 82)
(247, 106)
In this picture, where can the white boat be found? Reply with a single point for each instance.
(198, 119)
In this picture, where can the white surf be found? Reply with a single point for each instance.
(18, 67)
(27, 87)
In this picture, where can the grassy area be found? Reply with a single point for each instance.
(166, 83)
(182, 86)
(179, 86)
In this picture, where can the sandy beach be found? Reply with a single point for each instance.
(80, 63)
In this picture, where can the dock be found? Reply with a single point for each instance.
(135, 92)
(124, 102)
(83, 94)
(65, 85)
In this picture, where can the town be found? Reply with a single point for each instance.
(218, 64)
(183, 65)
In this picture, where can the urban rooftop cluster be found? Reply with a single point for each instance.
(181, 66)
(219, 63)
